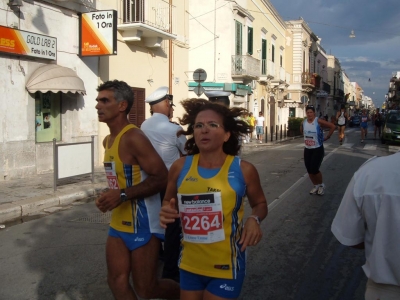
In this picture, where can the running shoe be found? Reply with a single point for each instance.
(321, 190)
(314, 190)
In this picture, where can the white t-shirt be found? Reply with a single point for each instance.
(260, 121)
(162, 134)
(370, 213)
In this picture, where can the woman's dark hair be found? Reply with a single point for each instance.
(231, 123)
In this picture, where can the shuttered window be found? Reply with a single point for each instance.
(137, 114)
(133, 11)
(250, 40)
(263, 56)
(273, 53)
(238, 39)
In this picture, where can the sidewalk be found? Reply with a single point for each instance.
(23, 198)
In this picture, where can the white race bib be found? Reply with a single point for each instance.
(201, 217)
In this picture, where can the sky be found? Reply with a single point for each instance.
(375, 51)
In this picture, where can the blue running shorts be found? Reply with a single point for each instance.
(221, 287)
(134, 240)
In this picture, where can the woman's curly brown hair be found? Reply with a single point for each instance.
(231, 123)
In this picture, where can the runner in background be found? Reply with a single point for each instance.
(341, 117)
(314, 149)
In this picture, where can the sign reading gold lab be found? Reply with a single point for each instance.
(98, 33)
(26, 43)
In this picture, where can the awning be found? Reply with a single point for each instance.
(54, 78)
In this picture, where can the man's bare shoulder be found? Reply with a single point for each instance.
(135, 139)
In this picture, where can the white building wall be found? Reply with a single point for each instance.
(20, 155)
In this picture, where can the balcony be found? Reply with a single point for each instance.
(309, 81)
(267, 70)
(245, 67)
(151, 21)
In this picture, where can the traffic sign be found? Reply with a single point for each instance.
(199, 75)
(198, 90)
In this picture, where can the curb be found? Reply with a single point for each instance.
(31, 205)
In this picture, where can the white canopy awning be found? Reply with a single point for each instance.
(54, 78)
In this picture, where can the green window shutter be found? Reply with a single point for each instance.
(273, 53)
(238, 37)
(250, 40)
(263, 56)
(264, 49)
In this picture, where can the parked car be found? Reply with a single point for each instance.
(391, 128)
(355, 121)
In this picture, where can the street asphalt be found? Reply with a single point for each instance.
(21, 199)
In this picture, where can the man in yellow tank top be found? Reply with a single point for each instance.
(135, 172)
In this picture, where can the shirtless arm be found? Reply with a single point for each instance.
(329, 125)
(136, 149)
(252, 231)
(169, 210)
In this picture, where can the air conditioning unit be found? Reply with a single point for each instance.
(288, 96)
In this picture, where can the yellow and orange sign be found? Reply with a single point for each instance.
(98, 35)
(26, 43)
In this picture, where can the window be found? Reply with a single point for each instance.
(133, 11)
(250, 40)
(137, 114)
(47, 116)
(238, 37)
(292, 112)
(263, 56)
(273, 53)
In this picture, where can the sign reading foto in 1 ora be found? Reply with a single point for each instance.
(98, 33)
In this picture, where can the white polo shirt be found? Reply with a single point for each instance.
(162, 134)
(370, 213)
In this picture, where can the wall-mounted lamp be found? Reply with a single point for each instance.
(150, 80)
(15, 5)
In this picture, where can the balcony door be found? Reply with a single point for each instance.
(263, 56)
(238, 48)
(133, 11)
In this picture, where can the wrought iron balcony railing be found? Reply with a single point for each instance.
(156, 13)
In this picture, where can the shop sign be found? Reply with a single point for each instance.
(98, 33)
(27, 43)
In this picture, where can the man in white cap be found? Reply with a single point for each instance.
(163, 135)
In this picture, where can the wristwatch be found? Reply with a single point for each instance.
(255, 218)
(123, 196)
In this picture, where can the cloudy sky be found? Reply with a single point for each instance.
(375, 51)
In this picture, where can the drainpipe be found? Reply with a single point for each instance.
(170, 50)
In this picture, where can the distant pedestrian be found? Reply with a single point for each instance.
(341, 117)
(314, 149)
(260, 127)
(364, 124)
(377, 120)
(368, 218)
(252, 122)
(164, 137)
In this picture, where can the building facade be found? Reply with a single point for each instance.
(50, 90)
